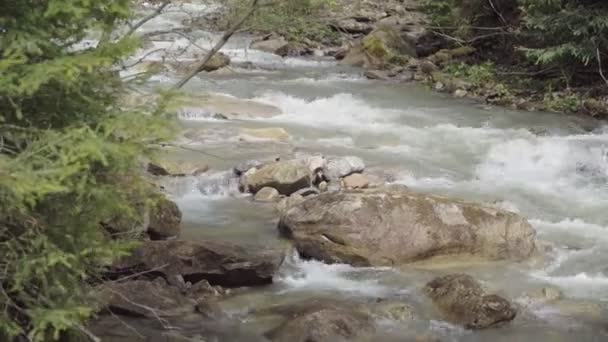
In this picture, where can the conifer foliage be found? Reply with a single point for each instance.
(69, 160)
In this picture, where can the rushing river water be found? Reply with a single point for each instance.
(551, 168)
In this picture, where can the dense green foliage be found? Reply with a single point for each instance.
(70, 159)
(568, 35)
(566, 32)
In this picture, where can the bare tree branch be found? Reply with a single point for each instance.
(504, 21)
(599, 63)
(227, 35)
(148, 18)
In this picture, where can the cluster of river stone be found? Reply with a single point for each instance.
(331, 211)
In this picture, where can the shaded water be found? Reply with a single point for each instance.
(551, 168)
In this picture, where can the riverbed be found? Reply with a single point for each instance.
(551, 168)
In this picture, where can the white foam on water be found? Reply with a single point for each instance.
(341, 110)
(219, 184)
(312, 275)
(550, 165)
(573, 226)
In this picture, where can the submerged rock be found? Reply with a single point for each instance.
(392, 225)
(324, 321)
(165, 219)
(219, 263)
(269, 133)
(267, 194)
(285, 176)
(463, 301)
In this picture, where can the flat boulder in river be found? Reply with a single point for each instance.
(393, 225)
(285, 176)
(463, 301)
(219, 263)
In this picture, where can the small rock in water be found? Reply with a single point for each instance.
(376, 75)
(323, 186)
(243, 167)
(463, 301)
(460, 93)
(356, 181)
(342, 167)
(267, 194)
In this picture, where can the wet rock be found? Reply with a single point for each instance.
(218, 61)
(428, 67)
(316, 163)
(392, 225)
(307, 192)
(219, 263)
(375, 50)
(157, 170)
(165, 219)
(270, 133)
(376, 75)
(178, 168)
(323, 321)
(272, 44)
(285, 176)
(356, 181)
(143, 298)
(245, 166)
(395, 311)
(463, 301)
(353, 26)
(267, 194)
(460, 93)
(342, 167)
(288, 202)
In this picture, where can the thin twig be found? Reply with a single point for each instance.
(141, 273)
(599, 63)
(148, 18)
(88, 333)
(218, 46)
(125, 67)
(154, 312)
(127, 325)
(504, 21)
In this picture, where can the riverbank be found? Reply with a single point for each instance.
(396, 41)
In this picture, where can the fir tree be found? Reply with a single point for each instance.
(69, 160)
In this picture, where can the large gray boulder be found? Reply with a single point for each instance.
(462, 300)
(392, 225)
(219, 263)
(285, 176)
